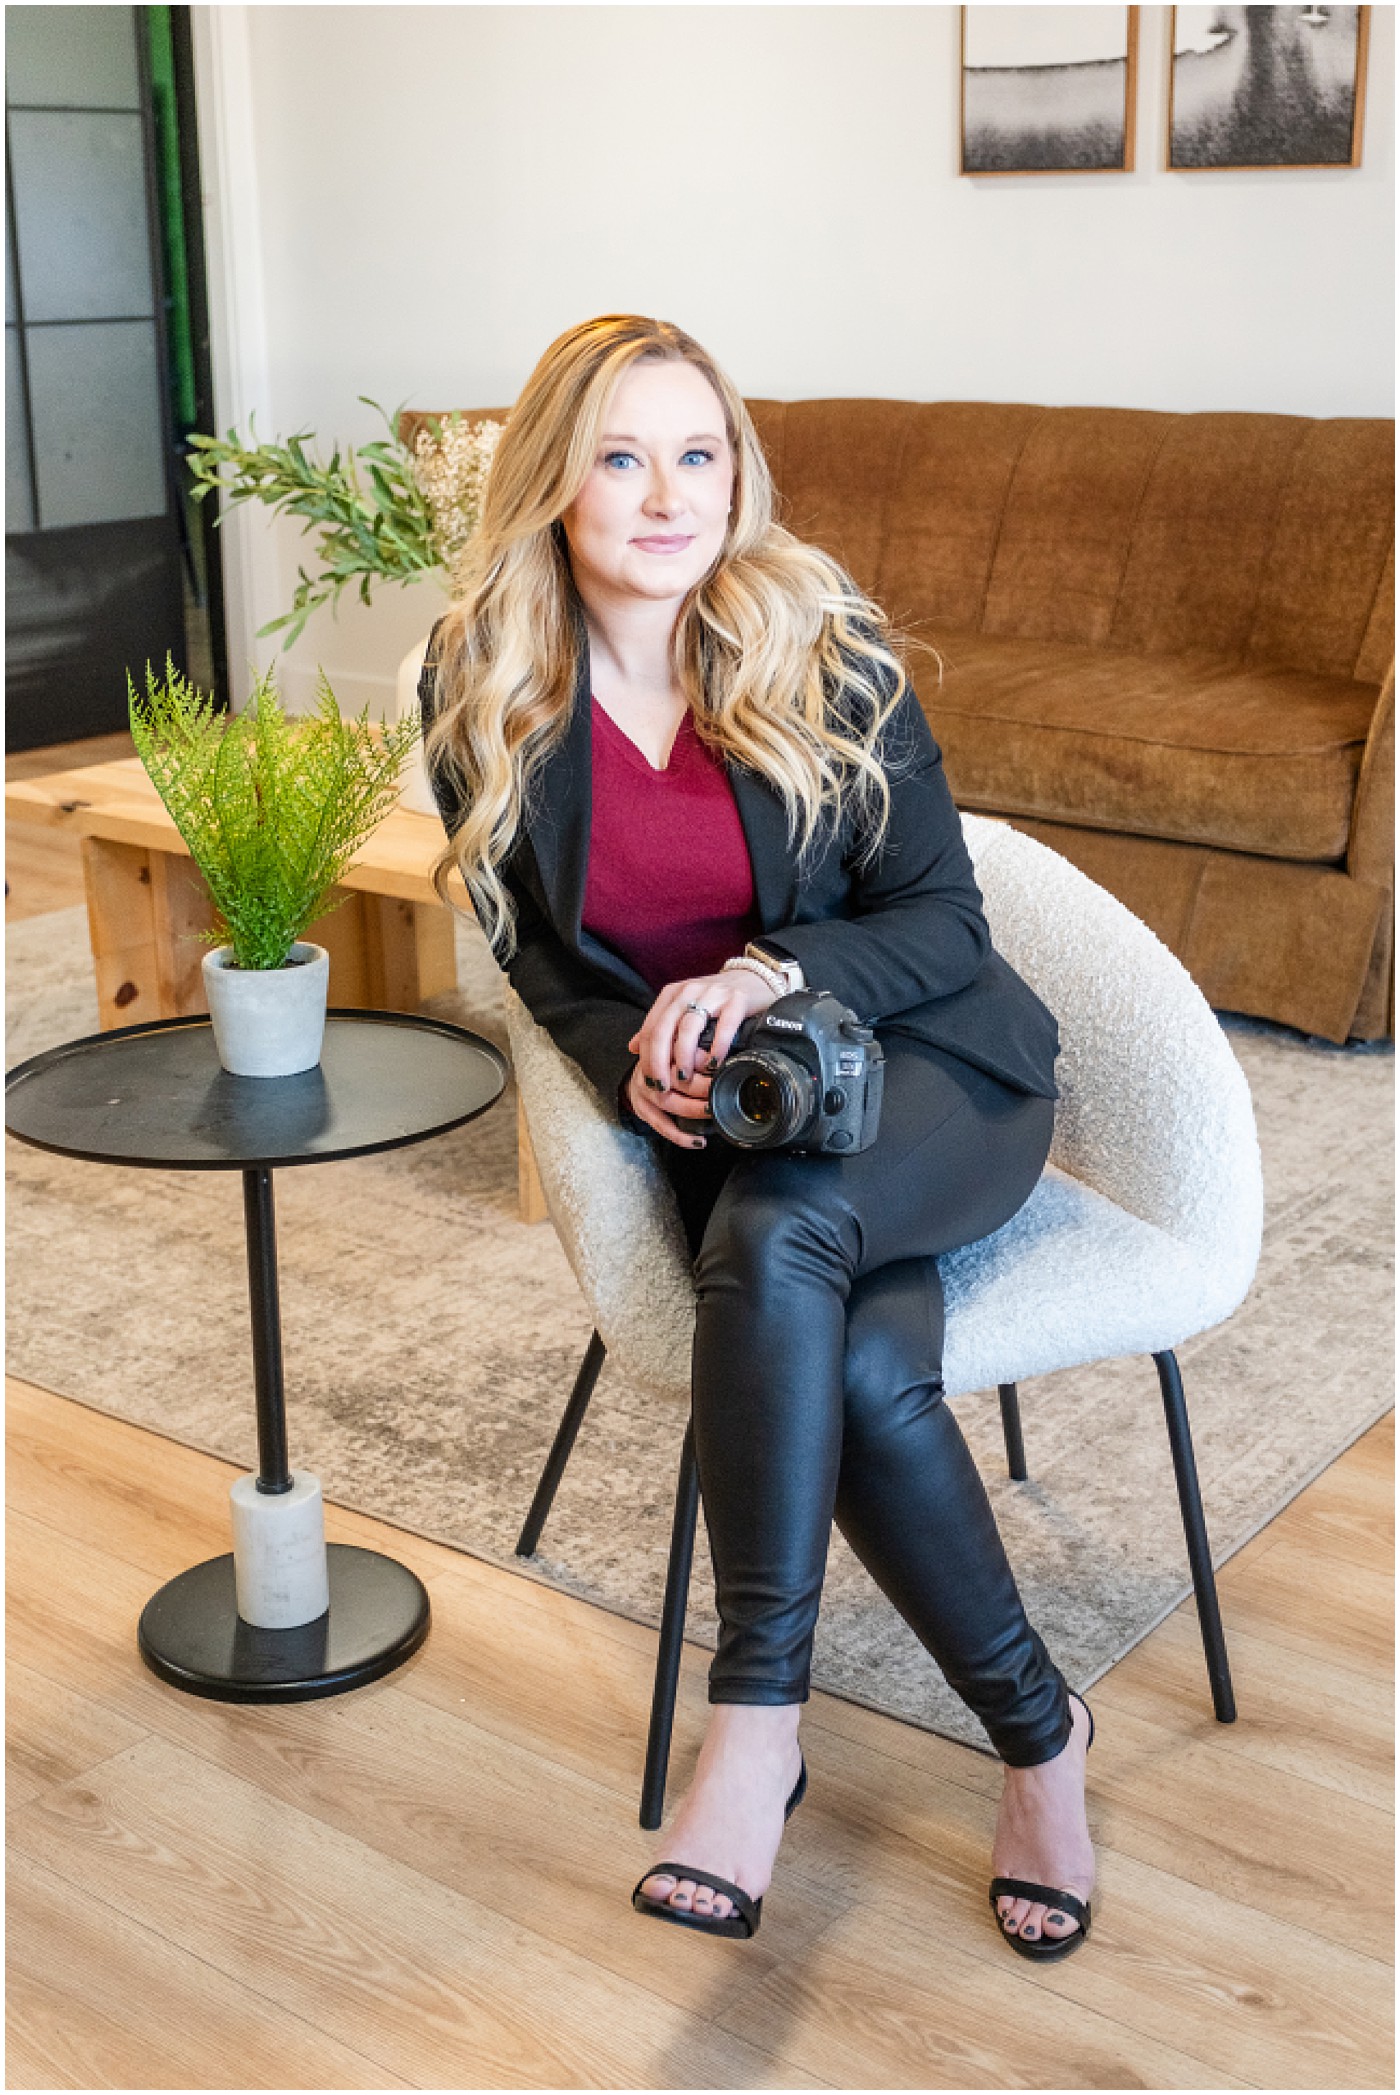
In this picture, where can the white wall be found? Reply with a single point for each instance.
(441, 190)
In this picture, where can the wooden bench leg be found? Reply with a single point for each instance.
(122, 929)
(410, 952)
(181, 909)
(533, 1207)
(386, 955)
(145, 910)
(435, 948)
(342, 932)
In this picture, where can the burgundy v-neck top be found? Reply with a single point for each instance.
(670, 883)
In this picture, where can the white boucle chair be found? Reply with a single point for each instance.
(1144, 1229)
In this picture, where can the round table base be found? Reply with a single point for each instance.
(192, 1635)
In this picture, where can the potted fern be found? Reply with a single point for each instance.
(273, 811)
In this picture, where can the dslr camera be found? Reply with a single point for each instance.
(805, 1075)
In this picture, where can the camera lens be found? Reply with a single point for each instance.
(760, 1100)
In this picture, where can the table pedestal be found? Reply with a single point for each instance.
(191, 1632)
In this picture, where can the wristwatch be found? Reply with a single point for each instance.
(791, 972)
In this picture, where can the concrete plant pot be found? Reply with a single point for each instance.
(268, 1022)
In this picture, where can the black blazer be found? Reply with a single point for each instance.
(903, 941)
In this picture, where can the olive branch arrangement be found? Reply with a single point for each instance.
(273, 809)
(414, 518)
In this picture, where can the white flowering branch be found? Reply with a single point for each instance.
(414, 518)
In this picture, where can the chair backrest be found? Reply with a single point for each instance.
(1155, 1111)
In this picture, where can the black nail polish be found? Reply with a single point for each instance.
(653, 1082)
(684, 1075)
(712, 1064)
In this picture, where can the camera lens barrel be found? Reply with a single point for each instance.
(760, 1101)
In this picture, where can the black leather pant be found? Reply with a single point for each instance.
(817, 1391)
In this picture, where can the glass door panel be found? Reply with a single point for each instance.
(99, 567)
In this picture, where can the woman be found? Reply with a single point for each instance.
(682, 771)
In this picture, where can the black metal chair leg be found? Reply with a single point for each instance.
(1193, 1519)
(563, 1447)
(668, 1651)
(1011, 1431)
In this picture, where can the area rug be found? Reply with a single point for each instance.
(431, 1341)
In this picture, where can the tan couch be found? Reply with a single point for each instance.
(1169, 654)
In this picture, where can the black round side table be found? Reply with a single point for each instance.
(156, 1095)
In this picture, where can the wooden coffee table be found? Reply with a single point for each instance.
(391, 942)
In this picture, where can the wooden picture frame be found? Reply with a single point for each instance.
(1048, 90)
(1234, 99)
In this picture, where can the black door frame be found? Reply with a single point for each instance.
(51, 699)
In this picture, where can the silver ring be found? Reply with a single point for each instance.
(699, 1007)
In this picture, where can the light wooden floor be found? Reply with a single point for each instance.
(425, 1883)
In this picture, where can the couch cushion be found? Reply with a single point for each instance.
(1194, 747)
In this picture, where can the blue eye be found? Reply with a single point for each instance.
(697, 452)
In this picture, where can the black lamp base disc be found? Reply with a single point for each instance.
(193, 1636)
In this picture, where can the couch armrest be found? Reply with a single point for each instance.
(1371, 846)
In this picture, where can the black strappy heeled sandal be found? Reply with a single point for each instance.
(743, 1921)
(1048, 1947)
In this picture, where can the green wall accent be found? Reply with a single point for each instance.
(179, 334)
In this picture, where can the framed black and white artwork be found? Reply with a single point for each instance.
(1267, 86)
(1048, 90)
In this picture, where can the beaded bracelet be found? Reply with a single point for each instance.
(755, 967)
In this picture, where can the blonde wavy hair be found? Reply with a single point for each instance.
(788, 667)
